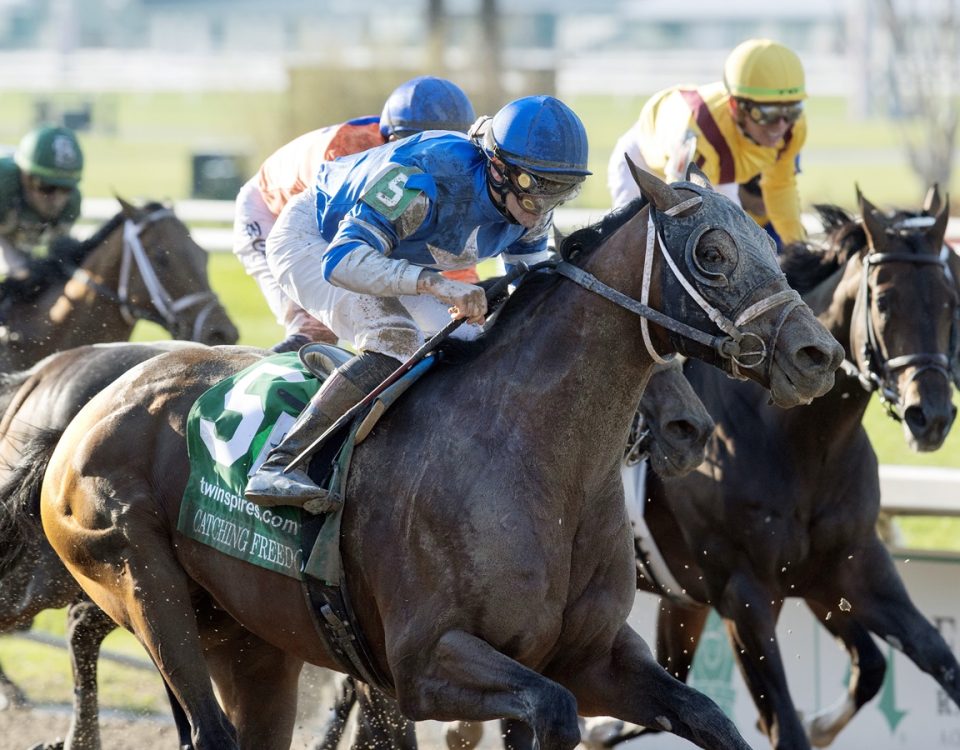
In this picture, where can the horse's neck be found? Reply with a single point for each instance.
(584, 360)
(75, 312)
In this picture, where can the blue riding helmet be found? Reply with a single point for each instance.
(539, 134)
(543, 149)
(426, 103)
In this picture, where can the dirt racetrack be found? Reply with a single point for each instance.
(22, 728)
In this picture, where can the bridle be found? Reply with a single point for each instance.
(876, 373)
(732, 345)
(165, 310)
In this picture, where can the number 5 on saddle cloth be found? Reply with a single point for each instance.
(231, 429)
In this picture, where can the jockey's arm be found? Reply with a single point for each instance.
(357, 259)
(779, 187)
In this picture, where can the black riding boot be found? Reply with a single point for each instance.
(346, 387)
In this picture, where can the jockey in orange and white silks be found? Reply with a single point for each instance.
(423, 103)
(749, 127)
(364, 251)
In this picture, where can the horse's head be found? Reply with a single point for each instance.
(163, 277)
(674, 421)
(720, 271)
(904, 329)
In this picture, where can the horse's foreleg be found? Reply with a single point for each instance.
(380, 725)
(679, 628)
(464, 677)
(346, 697)
(867, 668)
(87, 626)
(879, 601)
(629, 684)
(751, 619)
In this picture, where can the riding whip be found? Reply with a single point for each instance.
(428, 346)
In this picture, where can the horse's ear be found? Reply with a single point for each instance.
(697, 176)
(931, 201)
(938, 231)
(655, 190)
(128, 209)
(873, 221)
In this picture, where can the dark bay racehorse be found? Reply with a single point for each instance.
(671, 432)
(520, 502)
(35, 407)
(142, 264)
(785, 495)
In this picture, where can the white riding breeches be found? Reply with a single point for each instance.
(391, 325)
(12, 260)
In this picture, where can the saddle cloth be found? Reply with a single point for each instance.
(230, 430)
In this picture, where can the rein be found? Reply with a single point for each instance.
(165, 310)
(729, 346)
(876, 374)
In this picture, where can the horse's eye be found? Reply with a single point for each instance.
(884, 305)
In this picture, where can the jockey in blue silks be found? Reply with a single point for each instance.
(363, 251)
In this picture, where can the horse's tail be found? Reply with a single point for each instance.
(20, 497)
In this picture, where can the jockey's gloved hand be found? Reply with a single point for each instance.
(465, 300)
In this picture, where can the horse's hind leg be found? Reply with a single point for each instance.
(464, 677)
(87, 626)
(878, 601)
(258, 685)
(867, 668)
(628, 683)
(10, 693)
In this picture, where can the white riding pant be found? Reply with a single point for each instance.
(395, 326)
(623, 188)
(253, 221)
(11, 259)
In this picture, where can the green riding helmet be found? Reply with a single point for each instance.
(51, 154)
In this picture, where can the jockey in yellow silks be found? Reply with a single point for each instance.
(744, 132)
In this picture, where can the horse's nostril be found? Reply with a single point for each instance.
(915, 418)
(681, 430)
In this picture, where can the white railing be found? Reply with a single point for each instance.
(211, 221)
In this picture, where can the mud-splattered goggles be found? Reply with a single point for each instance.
(537, 194)
(771, 114)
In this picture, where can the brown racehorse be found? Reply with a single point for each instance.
(142, 264)
(491, 486)
(756, 524)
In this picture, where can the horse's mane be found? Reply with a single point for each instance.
(20, 497)
(573, 249)
(807, 265)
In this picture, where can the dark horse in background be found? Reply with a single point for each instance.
(35, 407)
(489, 486)
(784, 496)
(140, 265)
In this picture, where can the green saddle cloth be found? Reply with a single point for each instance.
(230, 430)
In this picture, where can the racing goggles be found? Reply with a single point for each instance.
(771, 114)
(538, 194)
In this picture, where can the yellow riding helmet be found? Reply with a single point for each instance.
(764, 71)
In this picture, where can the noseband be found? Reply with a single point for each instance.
(877, 372)
(166, 310)
(732, 346)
